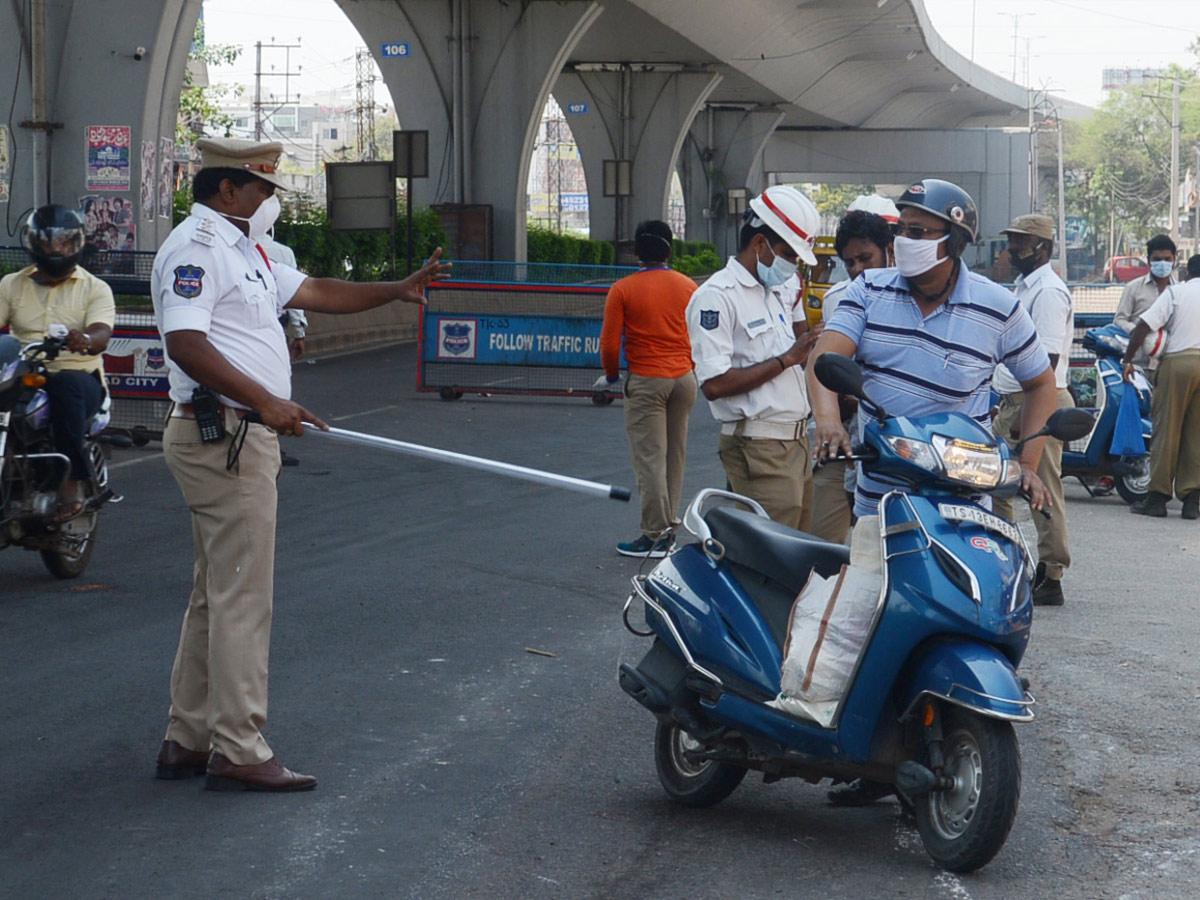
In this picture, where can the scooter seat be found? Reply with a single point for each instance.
(782, 554)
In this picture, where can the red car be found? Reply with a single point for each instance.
(1125, 268)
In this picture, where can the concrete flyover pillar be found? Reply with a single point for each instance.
(123, 71)
(639, 112)
(476, 77)
(724, 150)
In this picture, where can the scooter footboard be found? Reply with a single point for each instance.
(969, 674)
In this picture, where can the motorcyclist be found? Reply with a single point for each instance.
(55, 289)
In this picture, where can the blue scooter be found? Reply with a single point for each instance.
(934, 692)
(1089, 458)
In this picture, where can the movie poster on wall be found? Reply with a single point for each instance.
(166, 176)
(3, 163)
(108, 223)
(149, 170)
(108, 162)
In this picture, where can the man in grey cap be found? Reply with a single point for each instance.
(217, 301)
(1048, 301)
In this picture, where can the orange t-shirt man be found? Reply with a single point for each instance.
(648, 308)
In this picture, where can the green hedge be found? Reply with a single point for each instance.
(349, 255)
(546, 246)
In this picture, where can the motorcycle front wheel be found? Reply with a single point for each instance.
(963, 827)
(692, 784)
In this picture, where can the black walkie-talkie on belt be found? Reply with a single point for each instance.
(209, 417)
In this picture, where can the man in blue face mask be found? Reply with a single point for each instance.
(748, 360)
(1141, 293)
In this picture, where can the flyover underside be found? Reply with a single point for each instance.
(991, 164)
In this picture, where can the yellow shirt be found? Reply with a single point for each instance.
(29, 309)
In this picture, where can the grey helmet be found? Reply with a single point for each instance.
(946, 201)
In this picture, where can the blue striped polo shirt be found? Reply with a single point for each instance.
(916, 366)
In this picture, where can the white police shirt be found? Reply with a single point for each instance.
(1048, 301)
(209, 277)
(1177, 309)
(734, 322)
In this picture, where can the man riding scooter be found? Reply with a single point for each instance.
(929, 334)
(56, 290)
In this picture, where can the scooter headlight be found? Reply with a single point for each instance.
(978, 465)
(916, 452)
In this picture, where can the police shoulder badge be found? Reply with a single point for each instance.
(710, 319)
(189, 281)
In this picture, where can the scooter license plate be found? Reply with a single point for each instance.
(973, 514)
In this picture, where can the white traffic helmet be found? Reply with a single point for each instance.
(790, 215)
(877, 204)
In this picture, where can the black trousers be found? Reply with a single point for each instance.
(74, 398)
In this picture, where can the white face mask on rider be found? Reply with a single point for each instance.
(916, 257)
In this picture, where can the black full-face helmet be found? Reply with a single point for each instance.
(946, 201)
(53, 236)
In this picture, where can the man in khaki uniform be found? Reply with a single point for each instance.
(217, 300)
(749, 362)
(1175, 409)
(1048, 301)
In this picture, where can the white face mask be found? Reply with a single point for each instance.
(916, 257)
(778, 272)
(264, 217)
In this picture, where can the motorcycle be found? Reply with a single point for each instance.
(31, 470)
(1099, 391)
(933, 694)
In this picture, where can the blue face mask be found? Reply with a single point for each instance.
(778, 272)
(1161, 268)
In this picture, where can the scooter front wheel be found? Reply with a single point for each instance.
(1134, 484)
(964, 826)
(699, 784)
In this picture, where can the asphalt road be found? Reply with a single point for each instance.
(454, 763)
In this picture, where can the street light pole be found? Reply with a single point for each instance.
(1174, 192)
(1062, 203)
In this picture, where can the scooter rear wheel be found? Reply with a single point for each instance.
(1133, 486)
(692, 784)
(964, 827)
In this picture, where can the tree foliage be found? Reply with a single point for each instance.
(1117, 163)
(199, 106)
(834, 199)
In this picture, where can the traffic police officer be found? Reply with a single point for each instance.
(217, 301)
(748, 359)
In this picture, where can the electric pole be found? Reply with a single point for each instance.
(1174, 193)
(364, 102)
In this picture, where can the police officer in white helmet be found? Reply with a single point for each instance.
(749, 362)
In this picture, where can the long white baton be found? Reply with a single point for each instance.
(475, 462)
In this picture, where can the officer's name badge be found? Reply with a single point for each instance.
(756, 323)
(709, 319)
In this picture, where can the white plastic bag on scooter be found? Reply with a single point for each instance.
(828, 629)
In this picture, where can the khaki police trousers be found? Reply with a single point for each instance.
(1175, 417)
(830, 505)
(1053, 546)
(219, 680)
(778, 474)
(656, 420)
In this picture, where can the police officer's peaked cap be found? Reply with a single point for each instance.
(1033, 223)
(261, 159)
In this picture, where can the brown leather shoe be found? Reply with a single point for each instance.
(176, 761)
(268, 776)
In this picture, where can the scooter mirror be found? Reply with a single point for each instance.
(1070, 424)
(1064, 425)
(840, 374)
